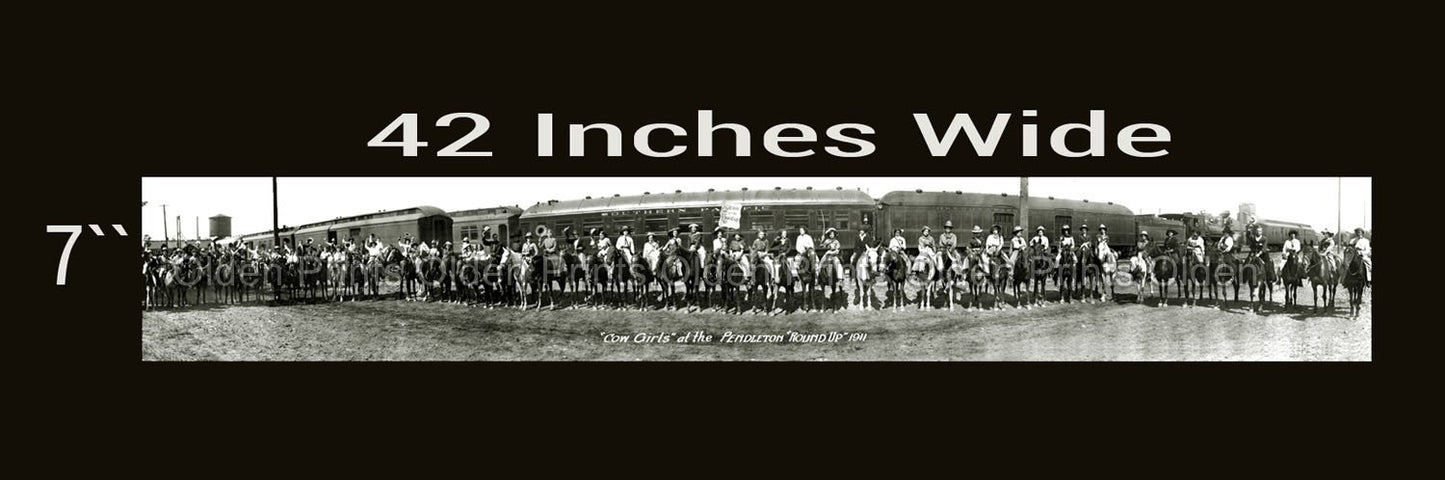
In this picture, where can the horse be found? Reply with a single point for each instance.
(829, 278)
(789, 273)
(893, 267)
(548, 268)
(1258, 270)
(669, 271)
(1108, 266)
(1091, 271)
(864, 262)
(733, 277)
(1167, 268)
(925, 271)
(1323, 272)
(764, 280)
(1353, 278)
(1196, 276)
(642, 273)
(807, 271)
(1040, 264)
(971, 270)
(1000, 271)
(1141, 271)
(575, 280)
(1068, 274)
(1223, 268)
(1293, 277)
(516, 273)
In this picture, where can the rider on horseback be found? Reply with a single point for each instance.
(926, 251)
(1362, 246)
(1196, 245)
(993, 246)
(1066, 241)
(976, 245)
(1039, 238)
(694, 244)
(1016, 245)
(897, 244)
(831, 249)
(947, 245)
(1103, 242)
(625, 244)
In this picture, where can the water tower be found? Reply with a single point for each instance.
(220, 226)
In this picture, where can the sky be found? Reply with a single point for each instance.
(247, 200)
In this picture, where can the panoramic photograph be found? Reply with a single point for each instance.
(756, 268)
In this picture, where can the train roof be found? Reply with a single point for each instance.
(701, 199)
(485, 213)
(402, 214)
(1281, 223)
(903, 197)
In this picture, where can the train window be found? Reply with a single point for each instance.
(469, 231)
(1061, 220)
(759, 220)
(840, 220)
(688, 218)
(867, 218)
(564, 225)
(792, 219)
(620, 221)
(655, 223)
(590, 223)
(1004, 220)
(502, 231)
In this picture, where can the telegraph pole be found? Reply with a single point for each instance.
(275, 211)
(1024, 203)
(165, 228)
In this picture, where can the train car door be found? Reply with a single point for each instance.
(331, 236)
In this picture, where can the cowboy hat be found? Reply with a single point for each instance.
(1294, 232)
(897, 231)
(1102, 227)
(926, 229)
(566, 229)
(1143, 233)
(1083, 226)
(948, 224)
(1041, 228)
(995, 227)
(1327, 232)
(1065, 227)
(719, 228)
(528, 235)
(692, 225)
(830, 230)
(977, 230)
(627, 228)
(1359, 229)
(1171, 232)
(1018, 228)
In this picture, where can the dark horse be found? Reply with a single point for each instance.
(1324, 273)
(1258, 270)
(1068, 274)
(1292, 275)
(1167, 268)
(1354, 279)
(893, 267)
(1038, 266)
(1196, 276)
(1223, 268)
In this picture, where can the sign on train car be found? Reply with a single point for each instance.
(731, 215)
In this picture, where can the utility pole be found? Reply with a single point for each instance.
(1024, 203)
(180, 234)
(198, 228)
(165, 229)
(275, 212)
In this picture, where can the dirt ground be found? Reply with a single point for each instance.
(400, 330)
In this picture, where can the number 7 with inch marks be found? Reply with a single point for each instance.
(74, 231)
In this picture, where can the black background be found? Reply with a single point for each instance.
(1243, 93)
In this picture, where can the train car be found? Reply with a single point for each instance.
(424, 223)
(770, 210)
(1277, 231)
(503, 220)
(911, 211)
(264, 241)
(1157, 226)
(1208, 226)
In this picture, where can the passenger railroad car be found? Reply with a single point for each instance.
(423, 223)
(656, 213)
(911, 211)
(503, 220)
